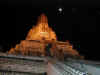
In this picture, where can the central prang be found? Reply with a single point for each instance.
(41, 30)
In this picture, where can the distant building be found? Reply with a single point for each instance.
(39, 37)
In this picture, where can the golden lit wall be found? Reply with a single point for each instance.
(41, 30)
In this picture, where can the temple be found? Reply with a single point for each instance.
(42, 41)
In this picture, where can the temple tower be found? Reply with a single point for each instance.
(41, 30)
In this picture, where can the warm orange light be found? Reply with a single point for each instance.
(41, 30)
(42, 35)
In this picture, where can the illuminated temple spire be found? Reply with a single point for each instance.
(42, 19)
(41, 30)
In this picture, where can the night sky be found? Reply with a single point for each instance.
(77, 22)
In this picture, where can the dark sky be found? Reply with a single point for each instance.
(76, 23)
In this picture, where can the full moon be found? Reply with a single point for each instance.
(60, 9)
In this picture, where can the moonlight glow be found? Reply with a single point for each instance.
(60, 9)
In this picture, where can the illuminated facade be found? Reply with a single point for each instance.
(37, 40)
